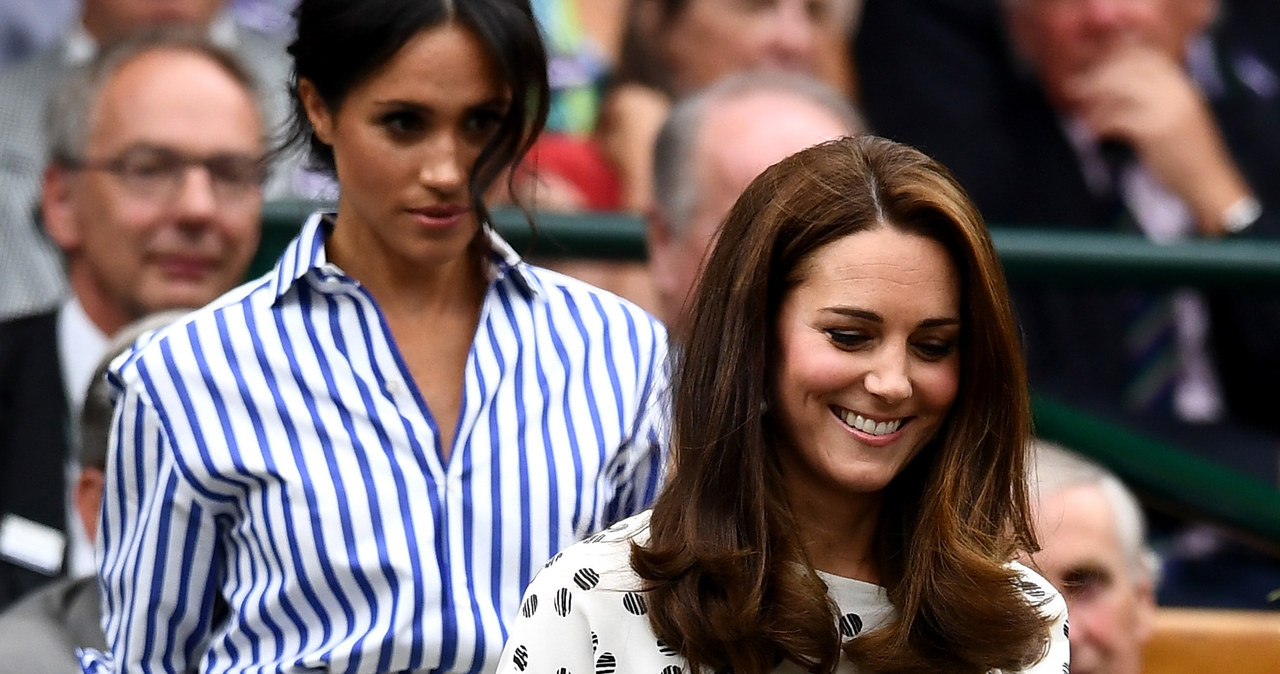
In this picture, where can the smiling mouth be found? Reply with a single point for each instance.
(869, 426)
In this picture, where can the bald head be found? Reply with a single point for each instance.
(711, 147)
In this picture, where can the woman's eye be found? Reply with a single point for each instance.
(483, 123)
(402, 123)
(847, 338)
(935, 350)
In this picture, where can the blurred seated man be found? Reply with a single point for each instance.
(1150, 124)
(1093, 549)
(41, 632)
(153, 194)
(31, 278)
(712, 145)
(672, 48)
(1152, 117)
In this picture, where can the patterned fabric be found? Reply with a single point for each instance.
(585, 613)
(276, 498)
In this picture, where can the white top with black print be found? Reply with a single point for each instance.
(584, 613)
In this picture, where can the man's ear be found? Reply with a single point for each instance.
(658, 239)
(317, 110)
(1146, 608)
(88, 498)
(57, 207)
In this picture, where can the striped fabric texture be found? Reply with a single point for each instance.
(276, 499)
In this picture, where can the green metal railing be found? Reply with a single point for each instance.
(1246, 504)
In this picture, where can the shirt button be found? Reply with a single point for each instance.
(395, 387)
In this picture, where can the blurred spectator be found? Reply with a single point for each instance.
(674, 47)
(565, 169)
(269, 17)
(1150, 116)
(153, 193)
(41, 633)
(27, 26)
(1093, 549)
(710, 148)
(30, 274)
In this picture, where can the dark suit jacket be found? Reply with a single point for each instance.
(989, 122)
(33, 437)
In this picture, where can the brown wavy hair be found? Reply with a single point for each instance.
(730, 586)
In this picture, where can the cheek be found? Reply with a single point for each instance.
(369, 162)
(121, 226)
(937, 384)
(813, 367)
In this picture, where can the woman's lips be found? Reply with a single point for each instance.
(439, 217)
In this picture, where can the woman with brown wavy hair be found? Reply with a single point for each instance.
(851, 423)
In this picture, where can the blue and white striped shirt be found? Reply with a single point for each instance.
(276, 498)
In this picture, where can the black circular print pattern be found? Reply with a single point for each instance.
(586, 578)
(563, 602)
(850, 625)
(634, 603)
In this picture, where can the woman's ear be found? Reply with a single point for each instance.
(317, 110)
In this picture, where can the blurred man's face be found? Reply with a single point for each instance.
(713, 38)
(1064, 39)
(111, 19)
(166, 211)
(738, 141)
(1109, 604)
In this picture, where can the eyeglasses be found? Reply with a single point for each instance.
(157, 173)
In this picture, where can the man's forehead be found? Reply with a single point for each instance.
(160, 96)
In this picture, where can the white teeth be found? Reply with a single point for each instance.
(869, 426)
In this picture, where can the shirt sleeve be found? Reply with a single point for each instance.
(1057, 658)
(552, 632)
(157, 549)
(641, 463)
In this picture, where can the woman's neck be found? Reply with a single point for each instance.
(411, 289)
(838, 531)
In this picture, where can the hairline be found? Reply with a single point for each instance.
(72, 112)
(1063, 471)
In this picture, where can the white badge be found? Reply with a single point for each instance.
(30, 544)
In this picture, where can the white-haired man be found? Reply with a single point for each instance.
(1093, 549)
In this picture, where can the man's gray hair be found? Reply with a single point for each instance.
(95, 416)
(1054, 469)
(69, 114)
(675, 183)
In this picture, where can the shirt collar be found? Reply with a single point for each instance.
(80, 346)
(306, 254)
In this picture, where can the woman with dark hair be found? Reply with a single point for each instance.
(357, 462)
(851, 422)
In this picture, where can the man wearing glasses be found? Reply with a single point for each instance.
(153, 194)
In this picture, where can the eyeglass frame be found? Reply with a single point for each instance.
(165, 186)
